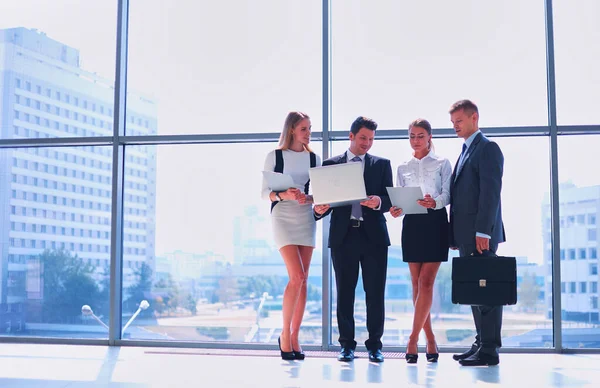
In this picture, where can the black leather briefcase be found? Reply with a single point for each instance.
(487, 280)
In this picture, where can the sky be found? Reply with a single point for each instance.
(239, 67)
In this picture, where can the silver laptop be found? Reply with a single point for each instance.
(338, 184)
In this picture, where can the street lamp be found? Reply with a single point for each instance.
(87, 310)
(143, 306)
(261, 304)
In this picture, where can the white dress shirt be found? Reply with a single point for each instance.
(349, 157)
(432, 173)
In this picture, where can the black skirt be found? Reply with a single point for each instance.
(425, 237)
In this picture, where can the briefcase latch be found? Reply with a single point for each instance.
(482, 283)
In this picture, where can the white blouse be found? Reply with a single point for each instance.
(432, 173)
(295, 164)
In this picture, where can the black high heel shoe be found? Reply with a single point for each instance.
(298, 355)
(433, 357)
(411, 358)
(285, 355)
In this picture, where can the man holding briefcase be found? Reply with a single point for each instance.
(476, 220)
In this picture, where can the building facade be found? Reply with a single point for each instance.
(60, 198)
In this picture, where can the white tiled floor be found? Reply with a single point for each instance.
(52, 366)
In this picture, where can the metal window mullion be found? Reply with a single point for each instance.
(554, 192)
(326, 106)
(116, 252)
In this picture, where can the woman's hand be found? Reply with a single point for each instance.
(308, 199)
(395, 211)
(303, 199)
(427, 202)
(291, 194)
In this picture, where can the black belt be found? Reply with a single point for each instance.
(355, 223)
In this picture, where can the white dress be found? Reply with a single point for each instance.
(293, 224)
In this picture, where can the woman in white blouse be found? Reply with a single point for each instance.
(293, 222)
(424, 236)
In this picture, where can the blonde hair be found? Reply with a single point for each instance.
(287, 138)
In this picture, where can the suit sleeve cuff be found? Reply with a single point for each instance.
(378, 207)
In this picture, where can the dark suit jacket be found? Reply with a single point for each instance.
(378, 176)
(475, 195)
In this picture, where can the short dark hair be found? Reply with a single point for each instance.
(363, 122)
(421, 123)
(467, 105)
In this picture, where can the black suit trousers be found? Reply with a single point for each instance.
(488, 319)
(356, 250)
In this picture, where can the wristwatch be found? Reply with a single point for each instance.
(277, 197)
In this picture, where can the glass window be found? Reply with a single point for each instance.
(576, 32)
(579, 194)
(572, 254)
(58, 44)
(262, 57)
(583, 287)
(380, 70)
(52, 311)
(520, 220)
(203, 277)
(582, 253)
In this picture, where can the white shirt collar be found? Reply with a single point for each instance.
(430, 155)
(350, 156)
(470, 139)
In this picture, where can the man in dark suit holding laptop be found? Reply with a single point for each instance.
(476, 220)
(358, 235)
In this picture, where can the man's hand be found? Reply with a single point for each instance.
(482, 244)
(321, 209)
(395, 211)
(372, 202)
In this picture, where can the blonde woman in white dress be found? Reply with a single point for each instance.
(294, 226)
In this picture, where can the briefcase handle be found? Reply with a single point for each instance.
(486, 253)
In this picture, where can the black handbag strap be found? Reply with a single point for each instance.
(313, 163)
(278, 168)
(278, 161)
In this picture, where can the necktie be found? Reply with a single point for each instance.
(461, 160)
(356, 207)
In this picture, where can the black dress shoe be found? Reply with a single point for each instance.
(346, 354)
(298, 355)
(375, 355)
(465, 355)
(285, 355)
(480, 359)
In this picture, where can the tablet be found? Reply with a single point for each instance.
(406, 199)
(277, 181)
